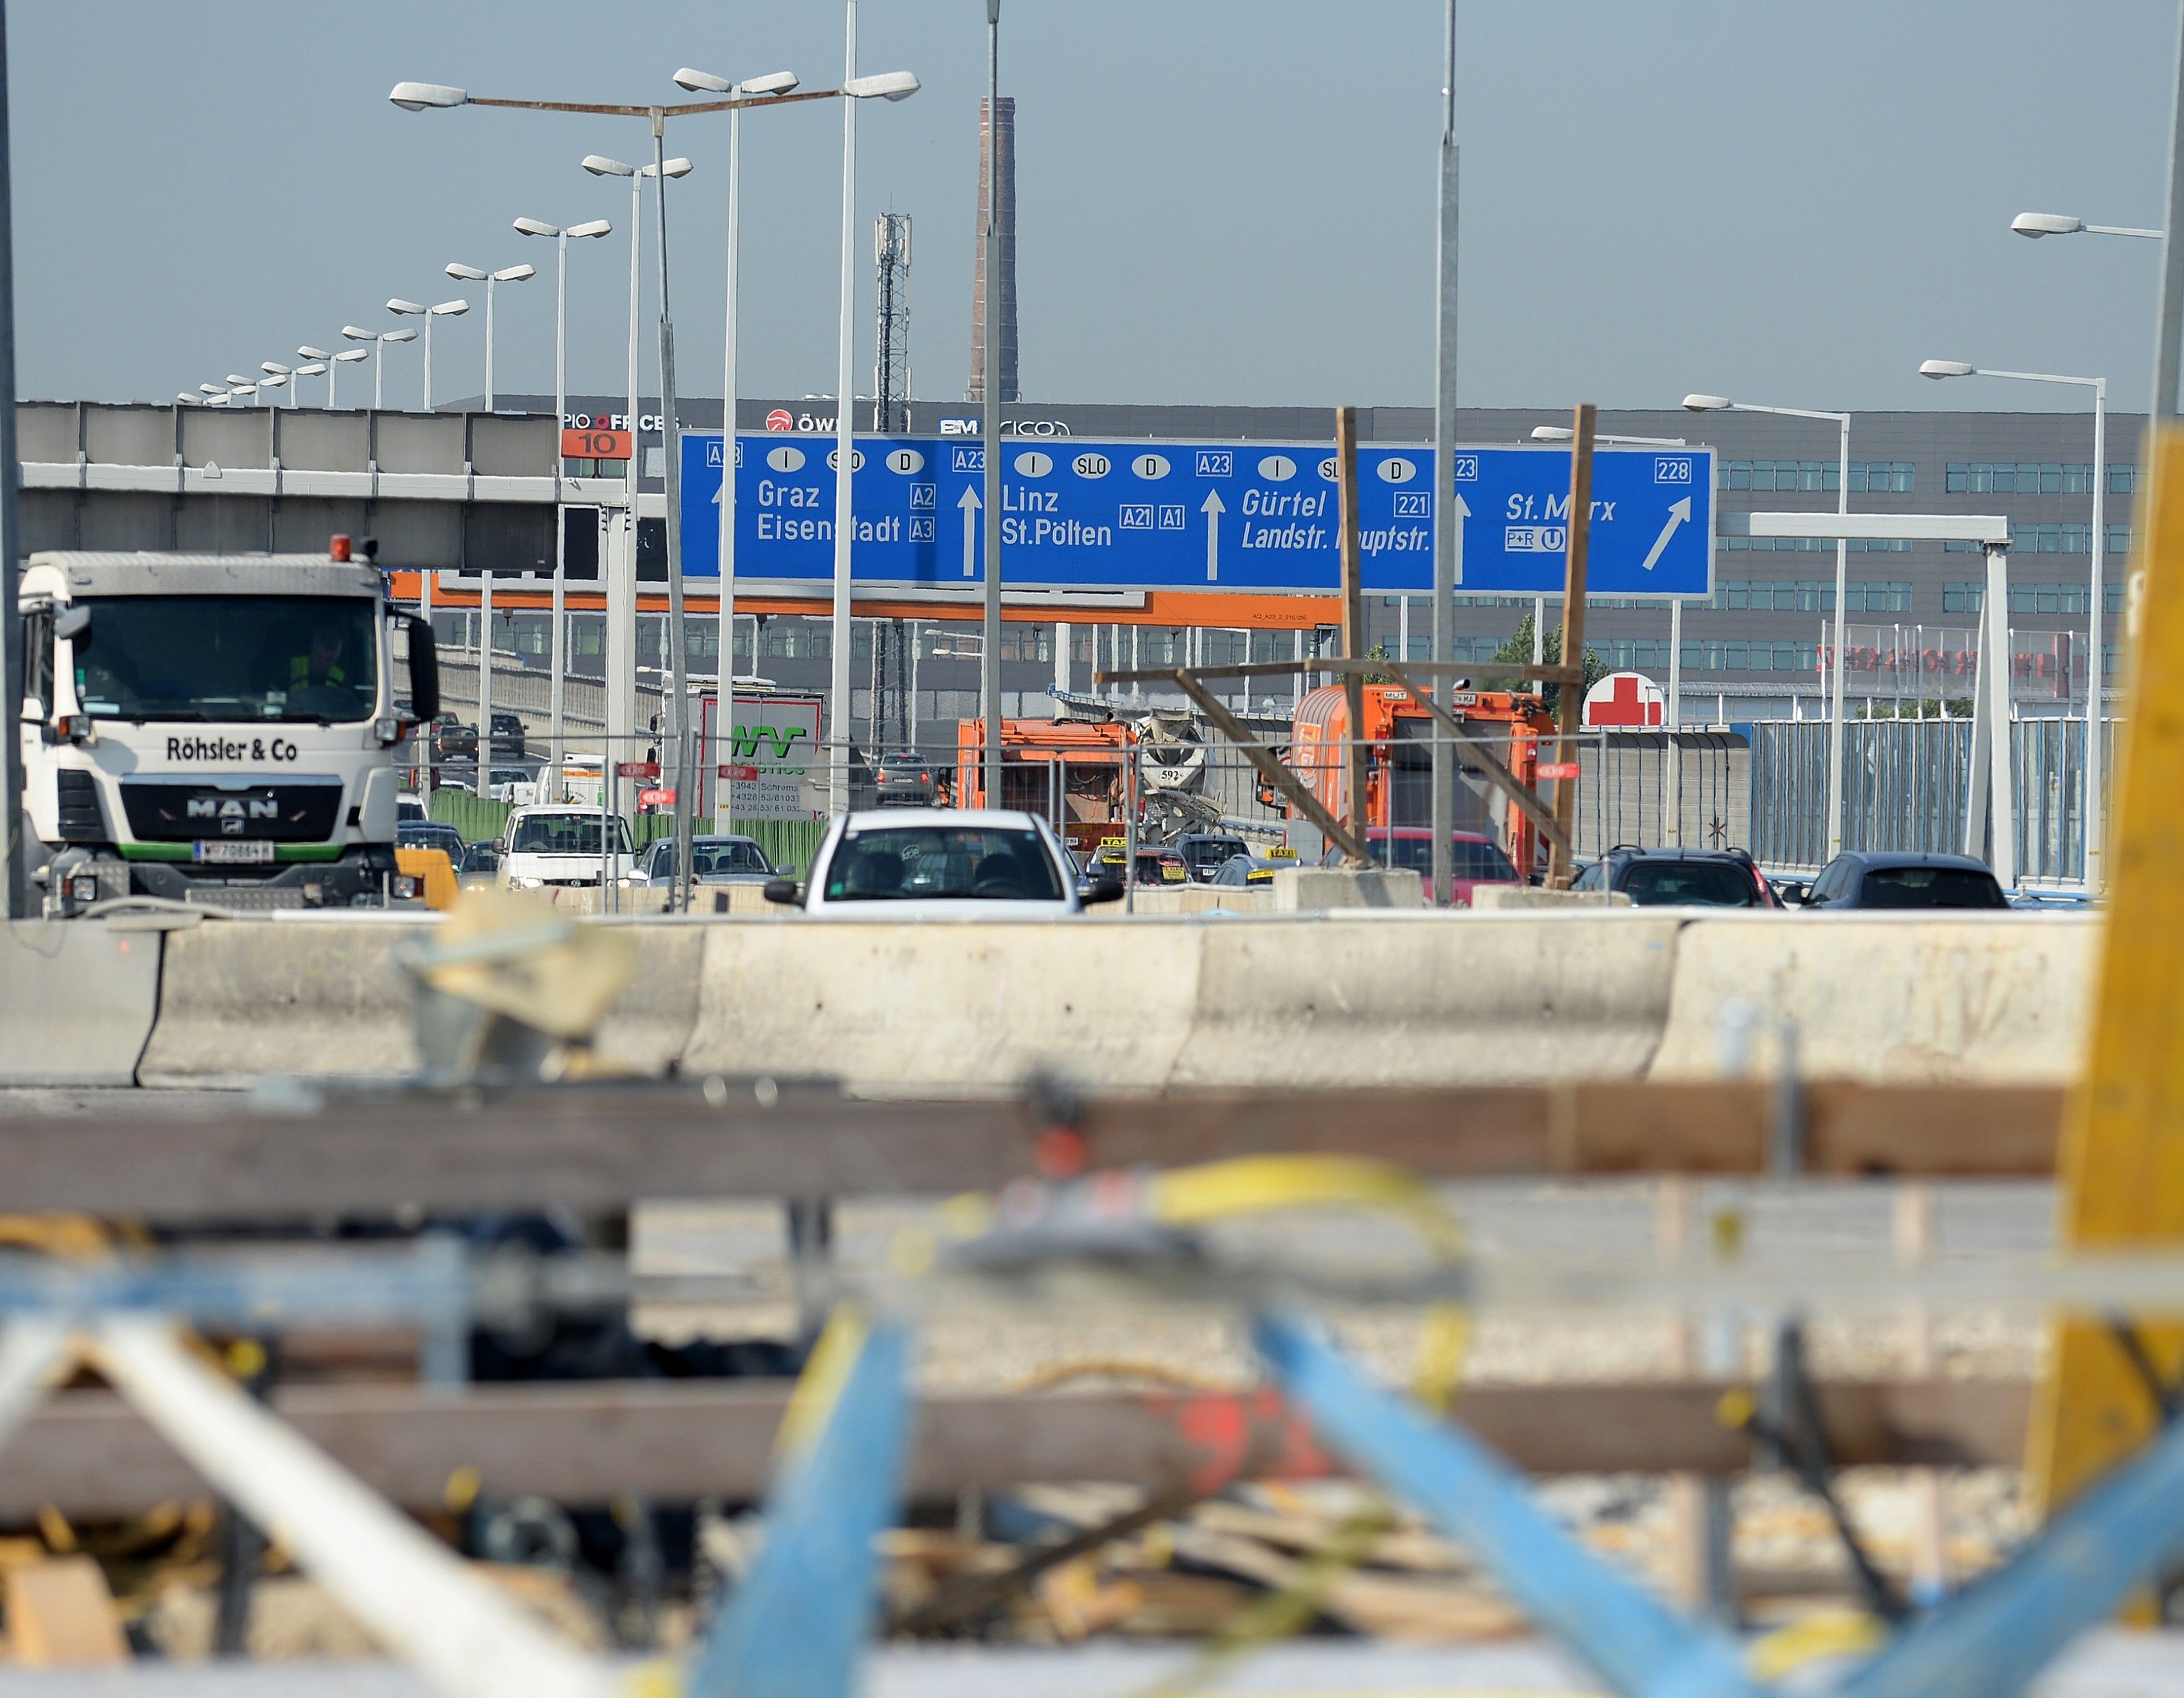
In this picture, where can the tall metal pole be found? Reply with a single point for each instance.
(989, 419)
(378, 368)
(1836, 728)
(838, 706)
(429, 316)
(560, 660)
(724, 740)
(1448, 525)
(2168, 321)
(488, 342)
(678, 662)
(2095, 682)
(11, 535)
(622, 547)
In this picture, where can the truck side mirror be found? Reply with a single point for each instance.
(73, 625)
(424, 669)
(782, 891)
(1101, 890)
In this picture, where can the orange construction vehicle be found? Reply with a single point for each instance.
(1075, 773)
(1399, 779)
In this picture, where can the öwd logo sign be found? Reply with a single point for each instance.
(780, 419)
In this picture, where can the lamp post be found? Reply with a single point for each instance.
(888, 86)
(560, 235)
(698, 81)
(274, 369)
(989, 420)
(378, 339)
(2037, 224)
(471, 274)
(348, 356)
(1711, 404)
(415, 97)
(445, 310)
(2095, 669)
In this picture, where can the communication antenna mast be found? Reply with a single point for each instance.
(891, 376)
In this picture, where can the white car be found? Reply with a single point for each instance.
(546, 846)
(931, 863)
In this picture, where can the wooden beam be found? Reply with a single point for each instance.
(1572, 701)
(1557, 674)
(1283, 777)
(1353, 637)
(89, 1455)
(1488, 762)
(211, 1160)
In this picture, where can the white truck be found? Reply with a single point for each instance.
(217, 729)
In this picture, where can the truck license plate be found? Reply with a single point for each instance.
(231, 851)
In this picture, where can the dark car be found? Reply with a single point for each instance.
(1205, 853)
(1154, 865)
(1673, 878)
(480, 862)
(1248, 871)
(1871, 879)
(507, 737)
(903, 780)
(1474, 858)
(431, 834)
(453, 740)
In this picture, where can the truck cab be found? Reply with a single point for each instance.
(217, 729)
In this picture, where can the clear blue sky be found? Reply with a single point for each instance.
(1222, 200)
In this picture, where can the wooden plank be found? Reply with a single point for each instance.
(1353, 625)
(2122, 1167)
(605, 1147)
(1571, 702)
(89, 1455)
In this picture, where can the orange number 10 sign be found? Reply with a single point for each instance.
(595, 445)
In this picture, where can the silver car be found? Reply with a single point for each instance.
(716, 859)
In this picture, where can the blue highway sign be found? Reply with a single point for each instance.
(1237, 516)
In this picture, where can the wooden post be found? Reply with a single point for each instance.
(1572, 654)
(1353, 623)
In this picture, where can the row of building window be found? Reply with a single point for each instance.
(2031, 477)
(2077, 598)
(1810, 595)
(1814, 545)
(1879, 476)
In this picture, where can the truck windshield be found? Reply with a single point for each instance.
(567, 834)
(230, 657)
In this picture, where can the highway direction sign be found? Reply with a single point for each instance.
(1237, 517)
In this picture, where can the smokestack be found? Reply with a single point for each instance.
(997, 143)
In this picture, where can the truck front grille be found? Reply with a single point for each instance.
(297, 809)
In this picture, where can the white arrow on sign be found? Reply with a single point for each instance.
(970, 504)
(1463, 513)
(1679, 513)
(1213, 510)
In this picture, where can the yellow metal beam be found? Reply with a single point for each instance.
(2121, 1171)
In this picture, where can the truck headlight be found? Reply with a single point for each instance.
(83, 886)
(526, 883)
(405, 887)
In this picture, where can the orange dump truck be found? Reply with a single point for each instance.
(1074, 773)
(1399, 779)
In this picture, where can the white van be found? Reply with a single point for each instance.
(543, 847)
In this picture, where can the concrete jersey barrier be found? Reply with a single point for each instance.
(1901, 998)
(1427, 999)
(77, 999)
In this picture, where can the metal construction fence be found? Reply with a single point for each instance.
(1906, 783)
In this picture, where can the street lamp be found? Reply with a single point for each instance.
(2095, 707)
(560, 234)
(773, 85)
(513, 274)
(445, 310)
(1562, 433)
(378, 339)
(1714, 404)
(899, 85)
(2037, 224)
(416, 97)
(274, 369)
